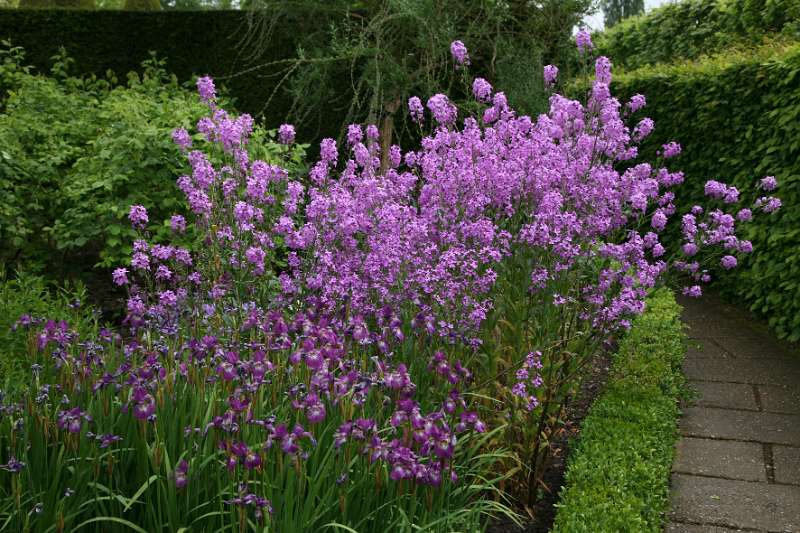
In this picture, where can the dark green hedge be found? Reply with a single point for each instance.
(738, 119)
(691, 28)
(618, 475)
(193, 43)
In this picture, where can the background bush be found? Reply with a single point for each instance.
(78, 151)
(691, 28)
(320, 64)
(737, 116)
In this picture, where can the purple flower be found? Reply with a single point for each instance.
(769, 183)
(206, 89)
(659, 220)
(550, 75)
(689, 249)
(146, 408)
(671, 149)
(252, 460)
(108, 439)
(328, 151)
(481, 89)
(177, 223)
(181, 137)
(71, 419)
(459, 53)
(168, 298)
(442, 110)
(728, 262)
(693, 292)
(643, 128)
(316, 413)
(638, 101)
(286, 134)
(138, 216)
(373, 134)
(415, 109)
(120, 276)
(13, 466)
(181, 474)
(583, 40)
(771, 204)
(354, 134)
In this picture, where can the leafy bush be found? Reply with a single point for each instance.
(618, 474)
(738, 115)
(76, 152)
(691, 28)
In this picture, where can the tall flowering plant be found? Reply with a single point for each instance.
(342, 348)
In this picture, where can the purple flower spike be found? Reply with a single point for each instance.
(181, 474)
(138, 216)
(583, 40)
(550, 75)
(120, 276)
(459, 53)
(286, 134)
(206, 89)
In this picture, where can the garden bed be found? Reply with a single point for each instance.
(618, 475)
(544, 513)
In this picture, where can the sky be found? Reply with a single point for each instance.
(595, 22)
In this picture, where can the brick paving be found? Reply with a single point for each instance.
(737, 464)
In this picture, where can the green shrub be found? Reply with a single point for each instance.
(77, 152)
(618, 475)
(691, 28)
(142, 5)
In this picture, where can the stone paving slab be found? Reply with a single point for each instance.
(776, 372)
(676, 527)
(735, 504)
(787, 465)
(724, 395)
(730, 424)
(780, 399)
(708, 329)
(720, 458)
(737, 465)
(754, 346)
(701, 348)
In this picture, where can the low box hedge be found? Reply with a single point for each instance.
(618, 473)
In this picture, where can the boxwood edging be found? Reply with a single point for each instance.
(618, 474)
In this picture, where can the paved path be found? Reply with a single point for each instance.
(737, 464)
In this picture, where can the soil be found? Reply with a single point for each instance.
(544, 512)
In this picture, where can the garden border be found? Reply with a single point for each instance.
(618, 473)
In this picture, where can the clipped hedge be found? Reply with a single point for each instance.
(738, 118)
(192, 42)
(691, 28)
(618, 475)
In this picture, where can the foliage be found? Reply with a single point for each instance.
(692, 28)
(33, 296)
(379, 343)
(118, 40)
(618, 474)
(368, 44)
(616, 10)
(142, 5)
(736, 116)
(77, 152)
